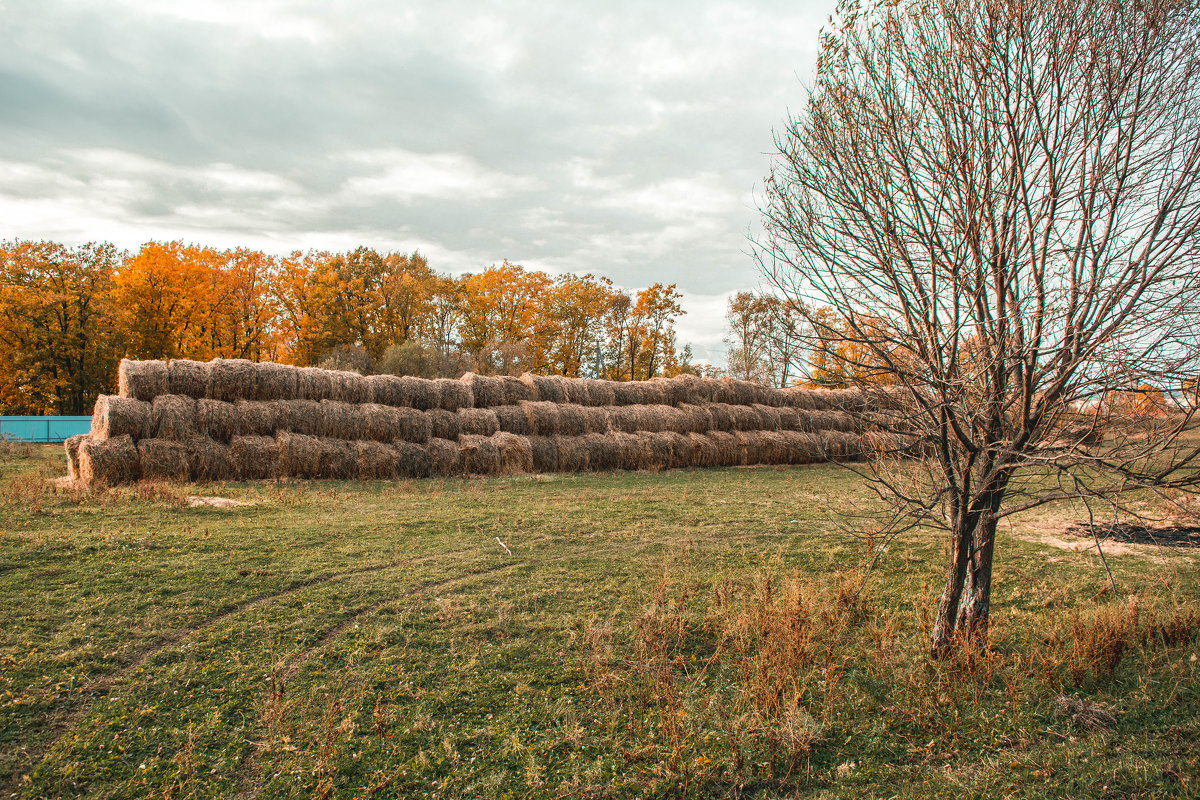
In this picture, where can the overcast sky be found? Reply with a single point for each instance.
(623, 139)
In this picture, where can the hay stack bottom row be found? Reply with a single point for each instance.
(241, 420)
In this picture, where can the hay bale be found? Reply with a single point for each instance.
(543, 417)
(387, 390)
(625, 393)
(425, 395)
(517, 390)
(623, 419)
(649, 393)
(704, 451)
(258, 417)
(697, 419)
(313, 384)
(748, 447)
(602, 451)
(674, 392)
(773, 448)
(722, 416)
(413, 460)
(219, 420)
(658, 450)
(477, 422)
(210, 460)
(650, 419)
(443, 424)
(255, 457)
(544, 450)
(108, 462)
(576, 390)
(851, 400)
(299, 455)
(571, 420)
(163, 460)
(173, 416)
(728, 451)
(338, 420)
(695, 390)
(297, 416)
(114, 416)
(480, 455)
(349, 387)
(547, 388)
(881, 444)
(512, 419)
(376, 460)
(449, 394)
(414, 426)
(831, 421)
(804, 420)
(573, 453)
(379, 422)
(595, 419)
(276, 381)
(747, 393)
(141, 380)
(338, 459)
(188, 377)
(843, 446)
(486, 391)
(744, 418)
(445, 457)
(802, 448)
(795, 397)
(789, 418)
(233, 379)
(681, 449)
(600, 394)
(673, 419)
(768, 417)
(71, 446)
(633, 451)
(516, 454)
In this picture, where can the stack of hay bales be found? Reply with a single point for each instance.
(232, 419)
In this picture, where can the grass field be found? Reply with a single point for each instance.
(693, 634)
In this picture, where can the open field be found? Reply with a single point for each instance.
(675, 633)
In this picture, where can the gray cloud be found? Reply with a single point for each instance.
(624, 141)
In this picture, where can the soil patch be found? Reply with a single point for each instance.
(1132, 533)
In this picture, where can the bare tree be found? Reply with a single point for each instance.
(748, 320)
(998, 202)
(763, 338)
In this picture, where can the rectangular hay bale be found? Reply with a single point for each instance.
(142, 380)
(163, 460)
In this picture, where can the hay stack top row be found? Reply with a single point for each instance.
(240, 379)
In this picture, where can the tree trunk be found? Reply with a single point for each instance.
(956, 571)
(967, 595)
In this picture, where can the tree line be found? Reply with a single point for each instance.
(69, 314)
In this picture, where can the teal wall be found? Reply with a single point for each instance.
(43, 429)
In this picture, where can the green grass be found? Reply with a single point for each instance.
(348, 640)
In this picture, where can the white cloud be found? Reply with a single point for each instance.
(404, 175)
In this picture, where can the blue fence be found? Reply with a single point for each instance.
(43, 429)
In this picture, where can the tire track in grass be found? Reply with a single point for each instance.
(100, 685)
(249, 767)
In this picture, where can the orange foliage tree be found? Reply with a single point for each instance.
(58, 339)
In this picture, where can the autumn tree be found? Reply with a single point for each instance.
(747, 321)
(652, 332)
(998, 202)
(165, 300)
(502, 324)
(58, 338)
(576, 311)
